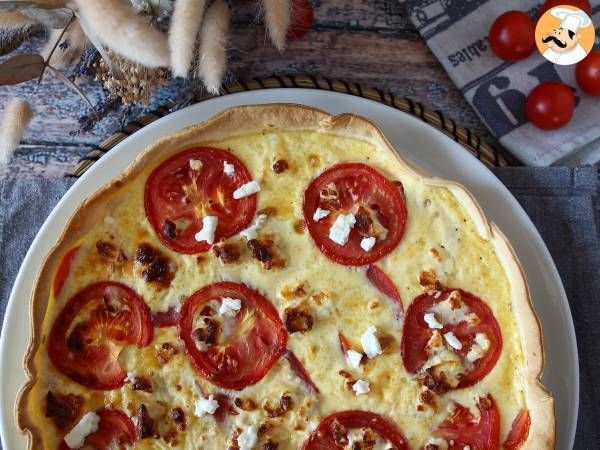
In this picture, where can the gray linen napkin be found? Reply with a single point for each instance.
(457, 33)
(560, 201)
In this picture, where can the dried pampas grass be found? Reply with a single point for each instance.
(70, 48)
(278, 16)
(185, 24)
(213, 41)
(15, 120)
(126, 33)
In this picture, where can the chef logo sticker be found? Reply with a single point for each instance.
(564, 35)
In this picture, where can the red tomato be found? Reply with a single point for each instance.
(512, 36)
(416, 334)
(165, 319)
(255, 341)
(518, 431)
(587, 73)
(550, 105)
(344, 344)
(584, 5)
(384, 284)
(374, 200)
(338, 424)
(177, 198)
(91, 330)
(300, 370)
(115, 430)
(63, 270)
(461, 428)
(302, 19)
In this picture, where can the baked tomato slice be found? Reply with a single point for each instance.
(115, 430)
(92, 329)
(63, 270)
(231, 334)
(453, 335)
(192, 185)
(519, 431)
(355, 196)
(355, 429)
(462, 429)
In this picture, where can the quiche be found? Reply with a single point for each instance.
(280, 278)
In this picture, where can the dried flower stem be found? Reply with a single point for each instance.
(278, 16)
(17, 116)
(185, 24)
(70, 46)
(123, 31)
(212, 45)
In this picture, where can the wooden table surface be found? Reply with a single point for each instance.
(371, 42)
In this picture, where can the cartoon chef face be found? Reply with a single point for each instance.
(562, 40)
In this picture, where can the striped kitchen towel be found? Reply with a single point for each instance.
(457, 33)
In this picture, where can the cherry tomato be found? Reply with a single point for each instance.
(63, 270)
(512, 36)
(462, 429)
(332, 432)
(416, 334)
(92, 329)
(178, 195)
(299, 369)
(519, 431)
(302, 19)
(255, 339)
(165, 319)
(583, 5)
(587, 73)
(378, 206)
(114, 431)
(550, 105)
(384, 284)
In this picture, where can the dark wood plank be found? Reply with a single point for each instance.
(370, 42)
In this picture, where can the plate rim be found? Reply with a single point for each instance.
(7, 418)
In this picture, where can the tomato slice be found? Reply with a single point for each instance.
(385, 285)
(63, 270)
(332, 432)
(242, 346)
(179, 194)
(377, 204)
(416, 334)
(519, 431)
(114, 431)
(92, 329)
(461, 428)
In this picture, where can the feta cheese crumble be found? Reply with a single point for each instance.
(320, 214)
(248, 439)
(361, 387)
(195, 164)
(252, 187)
(207, 233)
(479, 348)
(229, 305)
(228, 169)
(87, 425)
(108, 220)
(206, 406)
(452, 340)
(252, 230)
(370, 344)
(354, 358)
(340, 230)
(131, 376)
(432, 322)
(367, 243)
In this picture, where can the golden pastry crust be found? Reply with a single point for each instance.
(252, 119)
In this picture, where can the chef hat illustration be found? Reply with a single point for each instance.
(571, 20)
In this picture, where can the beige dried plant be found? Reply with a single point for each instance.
(15, 120)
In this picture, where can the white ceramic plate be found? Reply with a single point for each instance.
(418, 142)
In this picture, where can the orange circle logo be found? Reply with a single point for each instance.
(564, 35)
